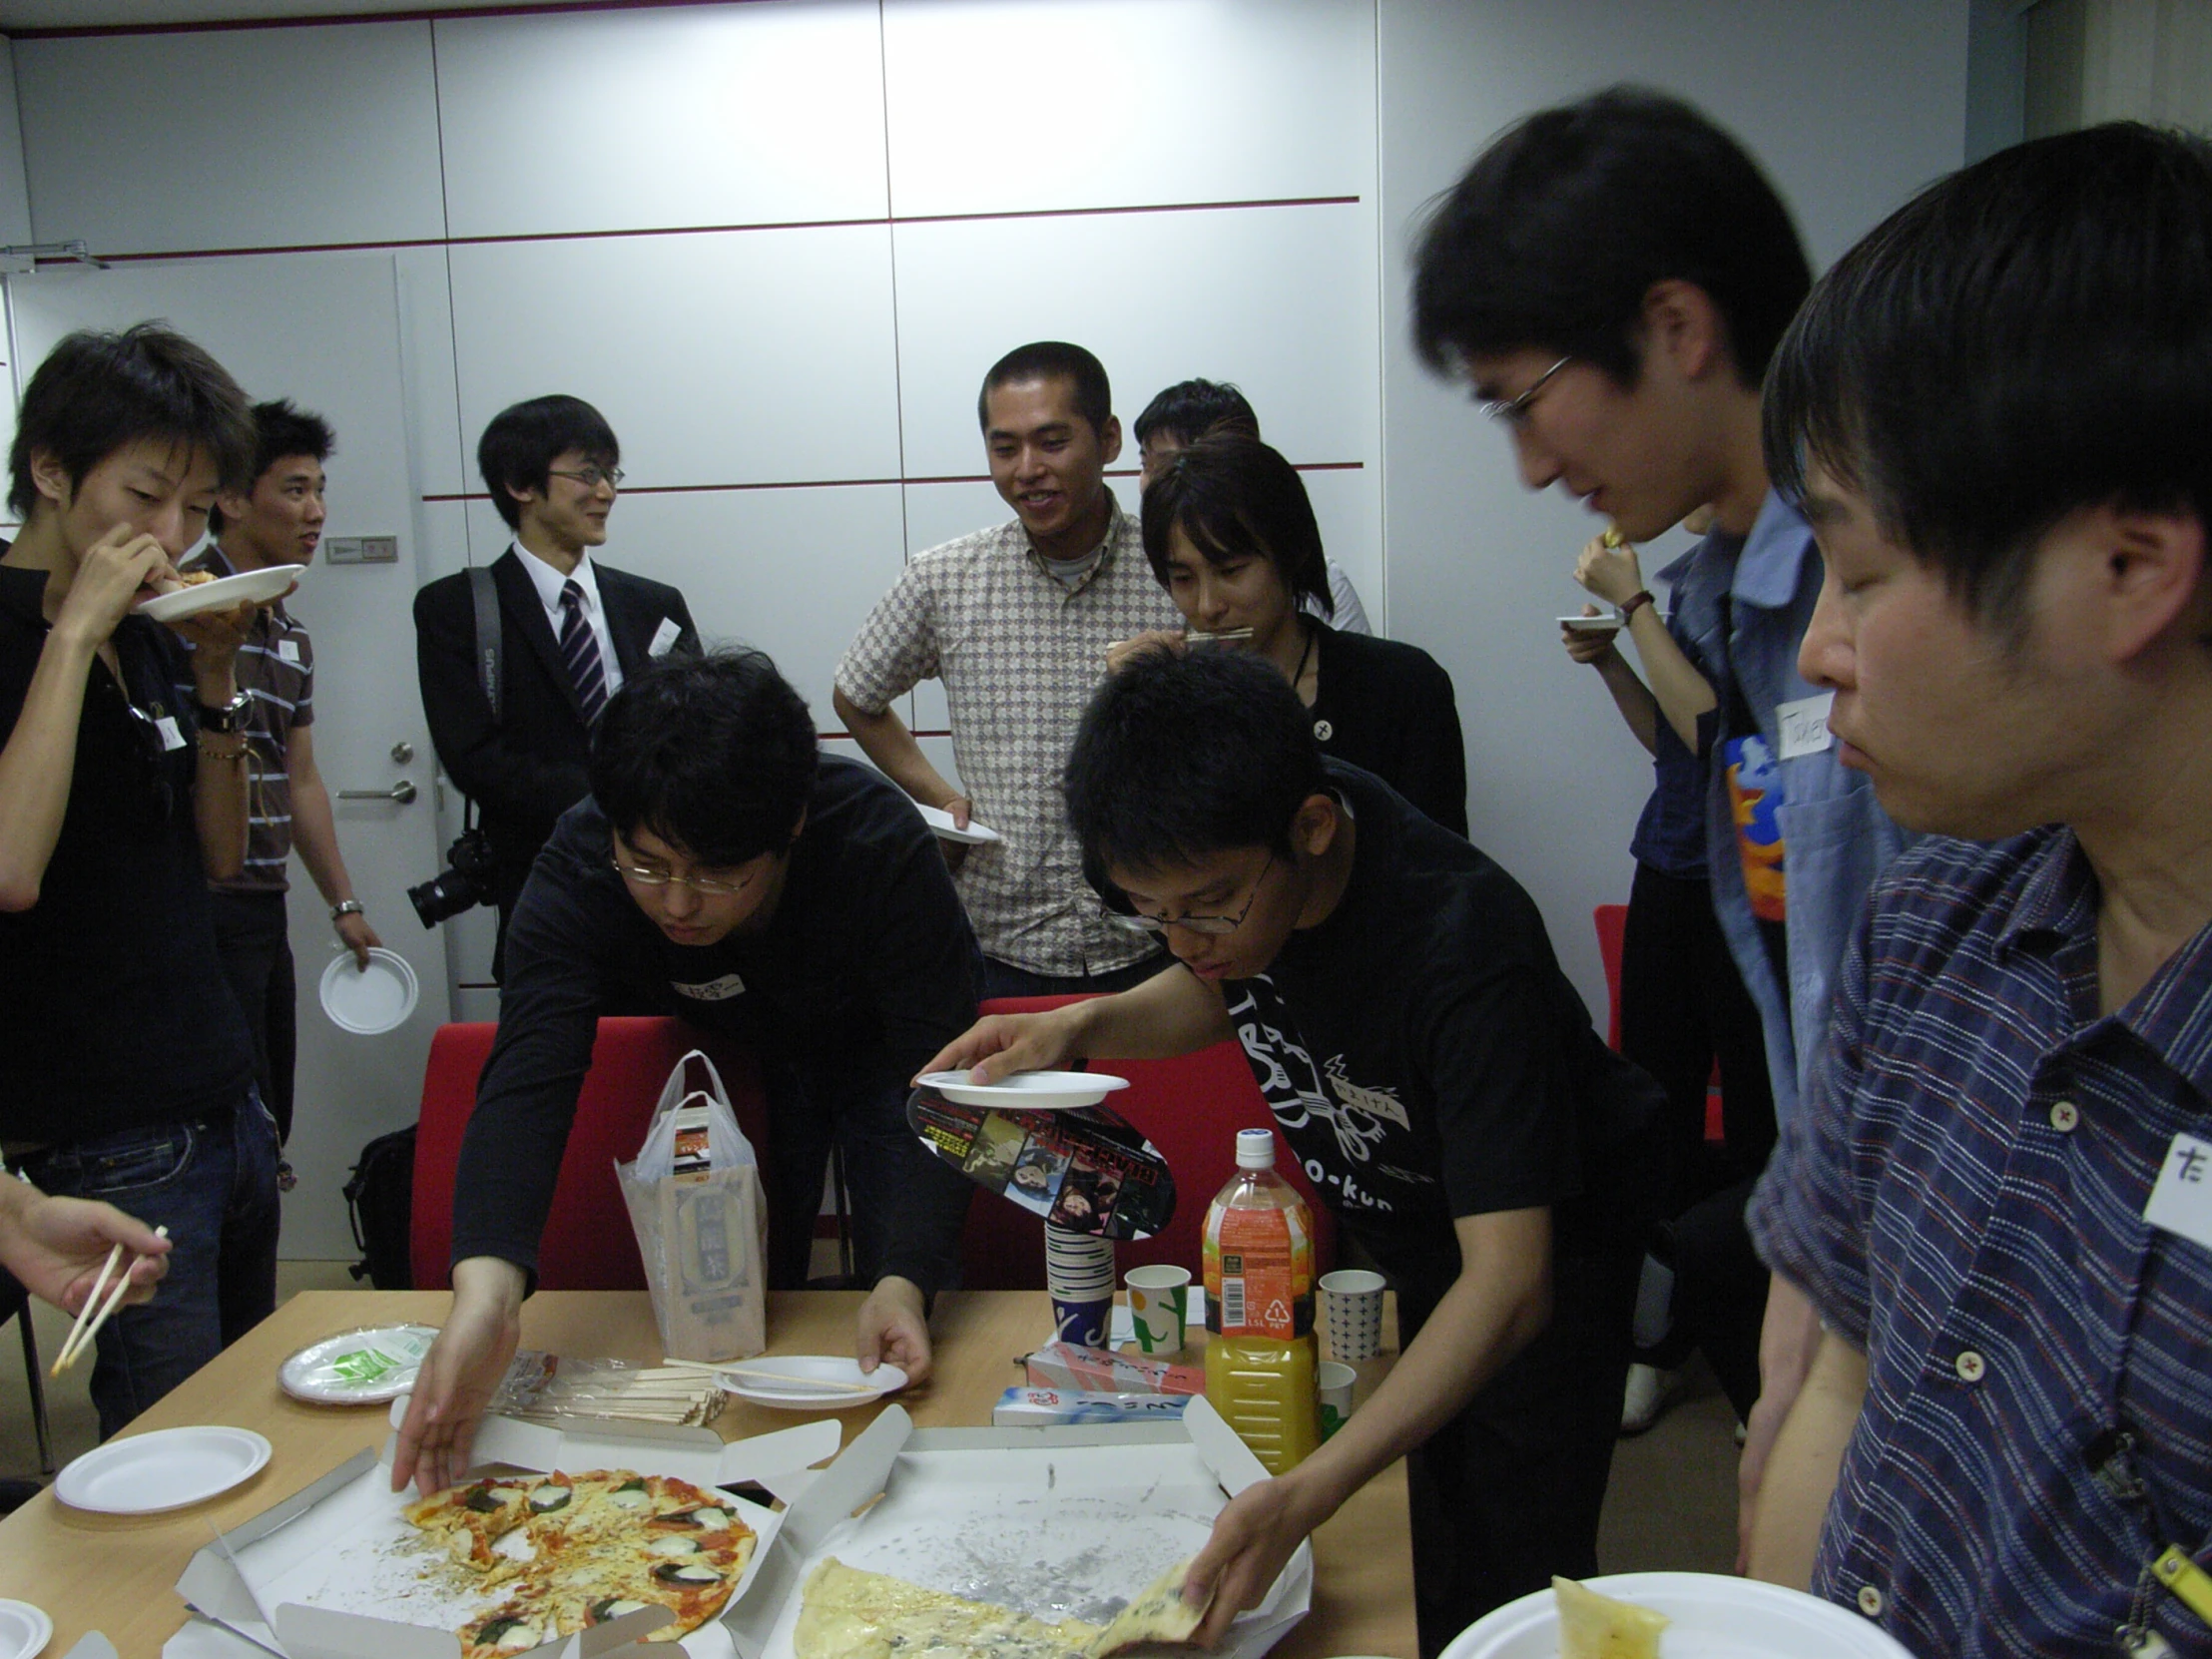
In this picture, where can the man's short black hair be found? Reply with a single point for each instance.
(1562, 225)
(280, 431)
(2025, 338)
(1189, 409)
(96, 392)
(1182, 757)
(1052, 359)
(519, 448)
(715, 754)
(1235, 497)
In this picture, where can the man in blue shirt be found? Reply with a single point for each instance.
(1997, 1194)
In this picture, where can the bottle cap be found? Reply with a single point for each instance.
(1256, 1149)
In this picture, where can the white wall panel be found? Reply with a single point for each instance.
(444, 456)
(761, 357)
(1280, 300)
(1150, 100)
(938, 513)
(443, 549)
(719, 115)
(249, 138)
(791, 571)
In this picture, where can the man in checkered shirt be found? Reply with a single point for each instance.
(1015, 620)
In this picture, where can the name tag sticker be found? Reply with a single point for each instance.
(1803, 726)
(663, 637)
(2181, 1202)
(165, 725)
(289, 650)
(714, 990)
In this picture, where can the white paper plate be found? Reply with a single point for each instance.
(247, 587)
(1591, 624)
(941, 821)
(366, 1367)
(815, 1367)
(1715, 1617)
(143, 1474)
(370, 1000)
(24, 1630)
(1026, 1091)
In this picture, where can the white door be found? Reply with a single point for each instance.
(322, 331)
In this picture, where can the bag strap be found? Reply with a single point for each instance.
(486, 601)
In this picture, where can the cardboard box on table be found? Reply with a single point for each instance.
(1054, 1521)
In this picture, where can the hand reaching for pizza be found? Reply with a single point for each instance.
(1254, 1535)
(895, 1329)
(459, 1375)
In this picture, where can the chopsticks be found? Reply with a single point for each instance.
(1196, 636)
(81, 1334)
(754, 1373)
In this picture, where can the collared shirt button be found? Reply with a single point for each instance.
(1970, 1366)
(1870, 1601)
(2065, 1114)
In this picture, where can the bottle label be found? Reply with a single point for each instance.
(1258, 1275)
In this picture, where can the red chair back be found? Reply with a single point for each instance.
(1612, 928)
(1191, 1109)
(588, 1243)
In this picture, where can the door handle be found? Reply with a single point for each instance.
(402, 791)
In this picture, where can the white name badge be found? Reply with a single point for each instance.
(2181, 1202)
(1803, 726)
(171, 736)
(714, 990)
(663, 637)
(289, 650)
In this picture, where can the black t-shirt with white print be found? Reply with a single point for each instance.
(1425, 1059)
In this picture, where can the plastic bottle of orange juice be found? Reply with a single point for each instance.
(1259, 1308)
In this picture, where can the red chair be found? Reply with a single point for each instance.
(1191, 1109)
(588, 1243)
(1612, 928)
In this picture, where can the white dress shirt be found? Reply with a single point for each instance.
(548, 579)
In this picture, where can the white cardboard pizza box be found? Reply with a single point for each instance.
(299, 1578)
(1055, 1521)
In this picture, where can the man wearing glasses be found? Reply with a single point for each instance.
(1432, 1070)
(724, 872)
(571, 631)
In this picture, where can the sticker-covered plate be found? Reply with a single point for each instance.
(357, 1367)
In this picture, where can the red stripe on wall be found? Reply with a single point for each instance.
(857, 483)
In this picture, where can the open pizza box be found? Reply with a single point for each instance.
(1052, 1523)
(335, 1572)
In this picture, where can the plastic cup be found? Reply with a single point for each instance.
(1335, 1381)
(1351, 1312)
(1159, 1303)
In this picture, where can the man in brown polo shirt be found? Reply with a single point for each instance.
(278, 520)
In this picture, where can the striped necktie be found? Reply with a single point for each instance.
(580, 650)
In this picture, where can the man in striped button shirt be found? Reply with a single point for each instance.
(1998, 1195)
(278, 520)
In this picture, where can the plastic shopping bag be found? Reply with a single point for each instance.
(701, 1216)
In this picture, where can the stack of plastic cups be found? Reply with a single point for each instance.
(1079, 1272)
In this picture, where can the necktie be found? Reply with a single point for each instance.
(580, 650)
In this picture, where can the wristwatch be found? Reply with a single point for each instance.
(345, 907)
(230, 718)
(1636, 602)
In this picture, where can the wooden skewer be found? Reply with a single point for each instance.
(69, 1343)
(122, 1289)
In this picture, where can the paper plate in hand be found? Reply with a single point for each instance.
(24, 1630)
(372, 1000)
(144, 1474)
(808, 1382)
(1713, 1616)
(940, 821)
(247, 587)
(1026, 1091)
(1591, 624)
(1088, 1170)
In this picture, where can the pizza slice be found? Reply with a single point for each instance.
(472, 1518)
(1594, 1626)
(845, 1613)
(515, 1626)
(1157, 1613)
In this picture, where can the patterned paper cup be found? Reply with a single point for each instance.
(1351, 1311)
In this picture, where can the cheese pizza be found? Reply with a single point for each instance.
(1594, 1626)
(845, 1613)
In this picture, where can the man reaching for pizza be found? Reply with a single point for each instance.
(1433, 1071)
(721, 870)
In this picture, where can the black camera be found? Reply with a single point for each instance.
(464, 882)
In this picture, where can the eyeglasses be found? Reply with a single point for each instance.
(1211, 926)
(591, 477)
(704, 886)
(1513, 411)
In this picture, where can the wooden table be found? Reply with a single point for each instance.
(117, 1573)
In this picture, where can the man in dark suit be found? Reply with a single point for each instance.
(571, 631)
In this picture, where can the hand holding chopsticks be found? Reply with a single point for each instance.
(82, 1334)
(56, 1246)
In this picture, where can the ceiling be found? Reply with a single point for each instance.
(81, 14)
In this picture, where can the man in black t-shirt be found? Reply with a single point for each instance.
(722, 871)
(1433, 1071)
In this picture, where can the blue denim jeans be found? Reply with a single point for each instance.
(212, 1181)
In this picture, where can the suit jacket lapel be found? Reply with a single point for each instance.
(624, 621)
(520, 599)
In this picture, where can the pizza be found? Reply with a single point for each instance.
(1593, 1626)
(845, 1613)
(579, 1550)
(1157, 1613)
